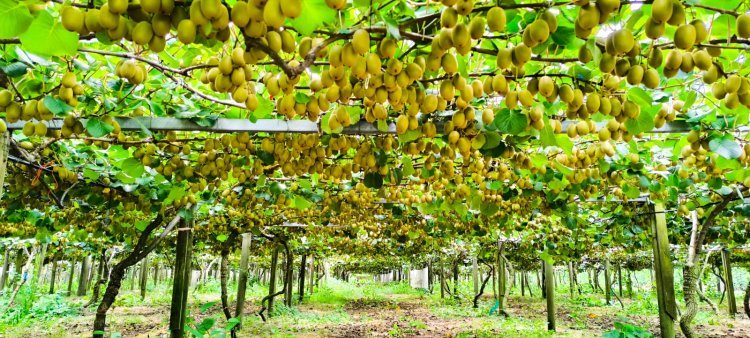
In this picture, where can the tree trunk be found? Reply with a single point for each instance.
(455, 279)
(223, 272)
(288, 278)
(549, 287)
(183, 274)
(101, 278)
(141, 249)
(726, 261)
(691, 303)
(746, 301)
(272, 279)
(607, 283)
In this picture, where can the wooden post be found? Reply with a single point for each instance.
(502, 280)
(311, 282)
(607, 282)
(442, 280)
(83, 278)
(302, 267)
(242, 285)
(144, 277)
(272, 279)
(571, 277)
(53, 277)
(70, 277)
(542, 280)
(475, 274)
(663, 273)
(289, 276)
(455, 279)
(182, 276)
(549, 286)
(727, 262)
(6, 265)
(630, 284)
(523, 283)
(619, 279)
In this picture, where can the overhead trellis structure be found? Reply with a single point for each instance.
(225, 125)
(390, 128)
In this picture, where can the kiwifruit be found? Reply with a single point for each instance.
(635, 75)
(684, 36)
(186, 31)
(655, 57)
(678, 14)
(476, 27)
(240, 14)
(107, 19)
(546, 86)
(272, 15)
(732, 84)
(504, 58)
(521, 54)
(654, 29)
(743, 26)
(72, 18)
(361, 41)
(496, 19)
(661, 10)
(717, 90)
(291, 8)
(449, 18)
(538, 31)
(118, 6)
(151, 6)
(701, 33)
(550, 19)
(607, 63)
(711, 75)
(702, 59)
(673, 60)
(622, 41)
(650, 78)
(687, 63)
(584, 54)
(588, 17)
(142, 33)
(607, 6)
(622, 66)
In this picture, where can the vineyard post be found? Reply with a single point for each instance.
(619, 278)
(727, 262)
(82, 279)
(71, 274)
(143, 277)
(53, 277)
(39, 264)
(549, 286)
(475, 274)
(502, 279)
(272, 279)
(6, 265)
(663, 272)
(311, 281)
(302, 267)
(242, 286)
(571, 280)
(182, 276)
(607, 282)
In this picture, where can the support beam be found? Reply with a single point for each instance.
(225, 125)
(663, 272)
(242, 285)
(549, 287)
(726, 260)
(182, 276)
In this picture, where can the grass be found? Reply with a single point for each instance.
(385, 308)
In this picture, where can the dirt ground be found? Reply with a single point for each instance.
(402, 316)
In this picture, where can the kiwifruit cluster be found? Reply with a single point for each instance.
(134, 72)
(231, 74)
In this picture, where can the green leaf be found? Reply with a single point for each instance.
(46, 36)
(407, 165)
(510, 121)
(640, 97)
(133, 167)
(316, 14)
(56, 106)
(391, 26)
(409, 136)
(97, 128)
(547, 135)
(16, 18)
(141, 225)
(15, 69)
(373, 180)
(222, 238)
(175, 193)
(300, 97)
(726, 147)
(644, 122)
(564, 142)
(301, 203)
